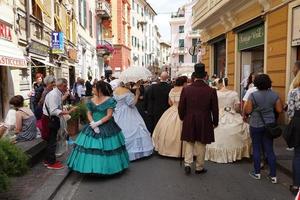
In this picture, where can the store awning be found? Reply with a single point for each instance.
(42, 7)
(11, 55)
(46, 63)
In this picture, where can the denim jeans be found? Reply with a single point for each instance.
(296, 167)
(259, 137)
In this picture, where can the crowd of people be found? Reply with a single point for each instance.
(189, 117)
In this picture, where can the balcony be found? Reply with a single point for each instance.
(103, 9)
(104, 48)
(179, 51)
(205, 11)
(194, 34)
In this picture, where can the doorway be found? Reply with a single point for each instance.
(71, 76)
(220, 58)
(2, 94)
(252, 61)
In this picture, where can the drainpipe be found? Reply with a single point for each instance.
(28, 38)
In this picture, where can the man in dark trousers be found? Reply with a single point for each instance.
(198, 109)
(88, 87)
(157, 100)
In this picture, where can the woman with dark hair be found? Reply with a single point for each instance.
(137, 137)
(36, 94)
(261, 105)
(100, 146)
(167, 133)
(250, 81)
(232, 140)
(25, 120)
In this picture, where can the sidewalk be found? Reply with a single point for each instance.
(284, 157)
(39, 183)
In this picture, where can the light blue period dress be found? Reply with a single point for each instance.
(99, 153)
(137, 138)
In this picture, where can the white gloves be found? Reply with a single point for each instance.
(94, 125)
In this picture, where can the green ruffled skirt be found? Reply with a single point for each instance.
(103, 153)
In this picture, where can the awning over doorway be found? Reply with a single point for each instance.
(11, 55)
(46, 63)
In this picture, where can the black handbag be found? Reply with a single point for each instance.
(288, 134)
(273, 130)
(54, 121)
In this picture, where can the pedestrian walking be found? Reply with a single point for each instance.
(137, 137)
(52, 111)
(167, 133)
(198, 109)
(158, 99)
(89, 87)
(100, 146)
(261, 105)
(294, 137)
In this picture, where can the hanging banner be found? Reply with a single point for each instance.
(296, 27)
(252, 37)
(57, 42)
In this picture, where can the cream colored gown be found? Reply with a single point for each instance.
(167, 133)
(232, 139)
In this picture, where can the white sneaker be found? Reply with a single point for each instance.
(255, 176)
(273, 179)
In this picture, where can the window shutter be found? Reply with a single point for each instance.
(91, 23)
(80, 9)
(84, 13)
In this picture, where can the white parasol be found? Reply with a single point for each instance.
(134, 74)
(115, 83)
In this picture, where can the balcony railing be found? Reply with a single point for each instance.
(103, 9)
(104, 48)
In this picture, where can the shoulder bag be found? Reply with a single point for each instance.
(273, 131)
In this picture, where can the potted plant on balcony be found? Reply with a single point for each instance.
(105, 48)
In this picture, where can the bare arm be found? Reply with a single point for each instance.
(278, 106)
(248, 107)
(170, 102)
(89, 116)
(18, 122)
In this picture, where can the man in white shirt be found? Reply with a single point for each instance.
(53, 109)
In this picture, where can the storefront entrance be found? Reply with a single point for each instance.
(220, 58)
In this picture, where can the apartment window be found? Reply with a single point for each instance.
(36, 11)
(138, 8)
(142, 12)
(194, 59)
(181, 43)
(194, 41)
(82, 13)
(91, 23)
(181, 59)
(132, 4)
(132, 40)
(181, 29)
(133, 22)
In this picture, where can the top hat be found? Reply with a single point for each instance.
(199, 69)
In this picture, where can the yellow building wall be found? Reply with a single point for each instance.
(251, 12)
(277, 23)
(231, 49)
(206, 57)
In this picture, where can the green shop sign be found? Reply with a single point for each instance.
(251, 37)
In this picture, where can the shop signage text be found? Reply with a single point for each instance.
(13, 62)
(5, 31)
(39, 49)
(251, 38)
(57, 41)
(296, 27)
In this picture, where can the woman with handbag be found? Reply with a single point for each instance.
(292, 136)
(261, 105)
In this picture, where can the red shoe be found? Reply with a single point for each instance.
(57, 165)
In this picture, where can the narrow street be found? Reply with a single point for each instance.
(163, 178)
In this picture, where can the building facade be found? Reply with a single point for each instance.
(121, 35)
(249, 36)
(144, 34)
(182, 39)
(165, 56)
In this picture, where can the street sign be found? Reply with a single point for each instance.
(193, 50)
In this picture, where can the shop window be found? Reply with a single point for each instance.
(36, 11)
(194, 41)
(220, 58)
(181, 43)
(181, 29)
(181, 59)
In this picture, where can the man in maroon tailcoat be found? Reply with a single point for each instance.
(198, 109)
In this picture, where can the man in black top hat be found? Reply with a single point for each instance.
(198, 109)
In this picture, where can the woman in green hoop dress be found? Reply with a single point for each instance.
(100, 146)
